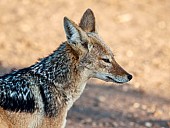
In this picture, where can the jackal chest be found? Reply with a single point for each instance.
(80, 85)
(78, 91)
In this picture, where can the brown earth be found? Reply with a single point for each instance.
(137, 32)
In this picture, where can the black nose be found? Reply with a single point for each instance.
(129, 77)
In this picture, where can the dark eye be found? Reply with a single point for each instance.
(106, 60)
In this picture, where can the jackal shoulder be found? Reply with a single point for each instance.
(22, 90)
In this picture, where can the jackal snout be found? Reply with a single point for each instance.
(120, 76)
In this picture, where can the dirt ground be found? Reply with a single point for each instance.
(137, 32)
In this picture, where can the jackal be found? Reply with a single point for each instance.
(40, 96)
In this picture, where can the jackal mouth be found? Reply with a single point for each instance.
(113, 80)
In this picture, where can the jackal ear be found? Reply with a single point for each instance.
(76, 37)
(73, 33)
(87, 22)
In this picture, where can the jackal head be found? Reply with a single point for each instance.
(93, 53)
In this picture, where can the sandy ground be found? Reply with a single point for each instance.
(137, 32)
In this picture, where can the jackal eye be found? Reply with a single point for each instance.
(106, 60)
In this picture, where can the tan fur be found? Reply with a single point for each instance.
(58, 122)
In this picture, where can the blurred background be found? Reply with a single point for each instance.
(136, 31)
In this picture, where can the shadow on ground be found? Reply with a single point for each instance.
(119, 106)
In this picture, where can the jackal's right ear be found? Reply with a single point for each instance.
(87, 22)
(76, 37)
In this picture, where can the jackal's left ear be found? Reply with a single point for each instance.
(87, 22)
(76, 37)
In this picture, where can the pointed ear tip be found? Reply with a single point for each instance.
(66, 19)
(89, 10)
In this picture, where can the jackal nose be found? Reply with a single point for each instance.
(129, 77)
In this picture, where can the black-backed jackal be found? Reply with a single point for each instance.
(41, 95)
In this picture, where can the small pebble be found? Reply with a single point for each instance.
(136, 105)
(148, 124)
